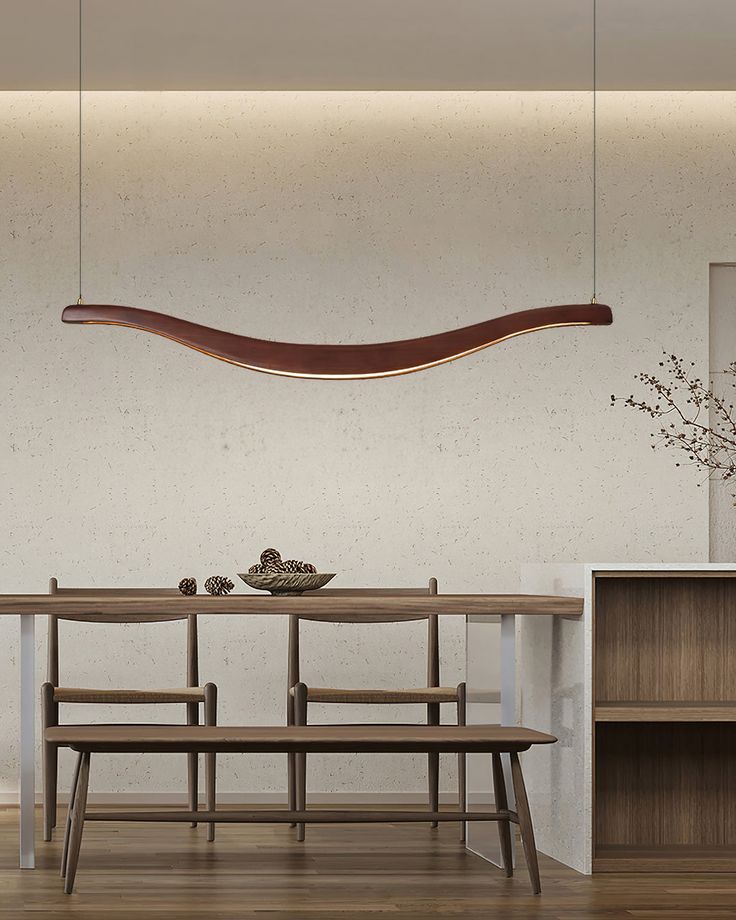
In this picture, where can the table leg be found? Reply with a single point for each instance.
(27, 739)
(508, 679)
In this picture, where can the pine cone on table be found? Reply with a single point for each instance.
(218, 585)
(188, 586)
(269, 556)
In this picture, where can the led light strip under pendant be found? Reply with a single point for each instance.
(342, 362)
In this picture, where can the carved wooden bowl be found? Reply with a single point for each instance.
(287, 582)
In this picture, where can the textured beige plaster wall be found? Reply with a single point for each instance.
(316, 217)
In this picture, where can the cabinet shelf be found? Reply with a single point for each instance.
(666, 711)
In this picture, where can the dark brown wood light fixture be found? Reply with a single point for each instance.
(341, 362)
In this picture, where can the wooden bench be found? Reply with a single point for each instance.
(314, 739)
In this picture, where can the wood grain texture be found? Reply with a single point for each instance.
(667, 859)
(664, 785)
(667, 640)
(361, 617)
(666, 712)
(341, 872)
(339, 362)
(282, 739)
(105, 593)
(257, 604)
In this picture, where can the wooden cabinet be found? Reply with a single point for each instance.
(664, 713)
(641, 692)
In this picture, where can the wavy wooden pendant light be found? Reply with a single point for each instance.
(340, 362)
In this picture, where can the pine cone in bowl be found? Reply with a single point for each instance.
(269, 556)
(274, 568)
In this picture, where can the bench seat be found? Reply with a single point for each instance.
(493, 740)
(336, 739)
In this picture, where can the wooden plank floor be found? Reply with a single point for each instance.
(350, 872)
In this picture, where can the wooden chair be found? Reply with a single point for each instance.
(52, 695)
(433, 695)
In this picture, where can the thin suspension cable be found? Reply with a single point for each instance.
(595, 154)
(79, 176)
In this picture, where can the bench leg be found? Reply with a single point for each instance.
(462, 796)
(78, 812)
(193, 763)
(502, 804)
(70, 809)
(210, 760)
(525, 823)
(300, 760)
(290, 764)
(433, 764)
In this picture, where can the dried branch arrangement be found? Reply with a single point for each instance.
(693, 417)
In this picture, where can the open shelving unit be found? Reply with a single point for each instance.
(664, 675)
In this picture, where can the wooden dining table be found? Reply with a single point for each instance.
(505, 607)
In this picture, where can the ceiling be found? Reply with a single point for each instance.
(368, 44)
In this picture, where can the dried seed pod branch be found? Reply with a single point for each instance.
(694, 418)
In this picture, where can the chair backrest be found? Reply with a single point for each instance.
(433, 650)
(53, 623)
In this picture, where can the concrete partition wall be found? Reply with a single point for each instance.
(555, 695)
(550, 693)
